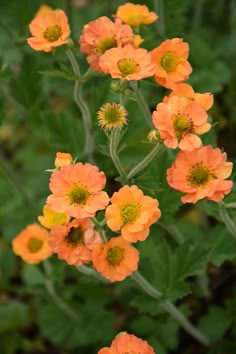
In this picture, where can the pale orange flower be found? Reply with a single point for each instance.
(171, 60)
(74, 243)
(201, 173)
(135, 15)
(43, 10)
(127, 63)
(102, 34)
(115, 259)
(128, 344)
(132, 212)
(51, 218)
(49, 31)
(185, 90)
(179, 122)
(77, 190)
(63, 159)
(31, 244)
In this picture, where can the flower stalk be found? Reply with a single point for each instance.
(230, 225)
(114, 141)
(170, 308)
(86, 116)
(142, 103)
(63, 306)
(145, 162)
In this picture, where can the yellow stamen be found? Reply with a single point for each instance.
(129, 212)
(78, 194)
(199, 175)
(105, 44)
(35, 244)
(127, 67)
(115, 255)
(53, 33)
(169, 61)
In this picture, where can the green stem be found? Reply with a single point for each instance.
(160, 23)
(10, 177)
(114, 140)
(91, 272)
(145, 162)
(174, 232)
(230, 225)
(86, 116)
(198, 7)
(55, 297)
(142, 103)
(170, 308)
(100, 229)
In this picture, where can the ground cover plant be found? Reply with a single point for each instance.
(117, 133)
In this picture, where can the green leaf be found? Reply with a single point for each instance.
(32, 275)
(215, 323)
(13, 315)
(58, 73)
(171, 268)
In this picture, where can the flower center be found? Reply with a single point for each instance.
(129, 212)
(199, 175)
(59, 218)
(35, 244)
(127, 67)
(181, 124)
(53, 33)
(75, 236)
(115, 255)
(78, 194)
(169, 61)
(105, 44)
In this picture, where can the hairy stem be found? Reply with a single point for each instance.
(144, 163)
(160, 24)
(230, 225)
(142, 103)
(114, 140)
(63, 306)
(86, 116)
(170, 308)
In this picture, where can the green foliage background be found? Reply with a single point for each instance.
(38, 118)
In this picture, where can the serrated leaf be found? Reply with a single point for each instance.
(170, 268)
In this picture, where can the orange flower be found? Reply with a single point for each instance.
(185, 90)
(135, 15)
(31, 244)
(43, 10)
(102, 34)
(128, 344)
(116, 259)
(127, 63)
(77, 190)
(63, 159)
(51, 218)
(74, 243)
(49, 30)
(132, 212)
(201, 173)
(171, 60)
(179, 122)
